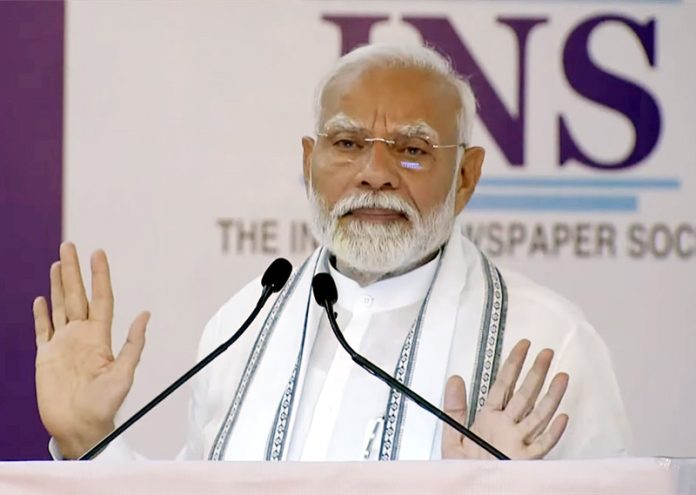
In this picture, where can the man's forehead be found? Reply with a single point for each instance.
(387, 97)
(341, 121)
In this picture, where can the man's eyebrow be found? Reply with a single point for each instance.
(419, 129)
(341, 122)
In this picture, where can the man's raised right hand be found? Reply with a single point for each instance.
(80, 385)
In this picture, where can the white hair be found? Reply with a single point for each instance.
(404, 56)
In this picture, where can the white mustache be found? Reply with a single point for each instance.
(382, 201)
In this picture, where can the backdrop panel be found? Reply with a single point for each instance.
(183, 160)
(31, 118)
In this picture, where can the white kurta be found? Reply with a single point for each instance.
(342, 406)
(331, 409)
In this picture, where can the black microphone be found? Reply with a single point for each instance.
(326, 296)
(273, 280)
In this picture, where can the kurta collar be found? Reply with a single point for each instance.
(387, 294)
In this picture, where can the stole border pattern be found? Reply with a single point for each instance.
(394, 413)
(491, 337)
(392, 431)
(222, 437)
(275, 447)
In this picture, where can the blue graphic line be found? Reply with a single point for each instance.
(579, 2)
(587, 2)
(490, 202)
(664, 183)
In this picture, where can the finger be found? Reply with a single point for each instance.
(102, 306)
(57, 297)
(455, 405)
(130, 353)
(505, 382)
(75, 297)
(536, 422)
(523, 400)
(42, 322)
(549, 439)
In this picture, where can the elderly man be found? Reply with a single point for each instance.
(387, 173)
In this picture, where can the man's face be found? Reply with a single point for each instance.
(393, 199)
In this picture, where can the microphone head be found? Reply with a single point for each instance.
(324, 289)
(276, 274)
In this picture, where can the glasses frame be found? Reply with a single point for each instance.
(391, 142)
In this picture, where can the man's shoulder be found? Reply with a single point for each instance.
(523, 287)
(248, 294)
(236, 310)
(524, 292)
(231, 315)
(535, 307)
(550, 320)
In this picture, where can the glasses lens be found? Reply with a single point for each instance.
(346, 142)
(413, 148)
(353, 145)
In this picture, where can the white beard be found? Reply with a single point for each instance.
(380, 248)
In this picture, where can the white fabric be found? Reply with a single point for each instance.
(339, 403)
(340, 400)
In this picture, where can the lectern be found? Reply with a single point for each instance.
(604, 477)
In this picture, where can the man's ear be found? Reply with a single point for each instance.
(469, 175)
(307, 149)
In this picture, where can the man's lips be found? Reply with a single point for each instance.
(376, 214)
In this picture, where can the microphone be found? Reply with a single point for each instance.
(273, 280)
(326, 296)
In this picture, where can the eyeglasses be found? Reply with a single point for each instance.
(411, 151)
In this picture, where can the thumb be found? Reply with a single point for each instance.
(454, 405)
(130, 353)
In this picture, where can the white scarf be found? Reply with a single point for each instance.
(260, 420)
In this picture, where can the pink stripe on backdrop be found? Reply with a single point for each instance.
(31, 118)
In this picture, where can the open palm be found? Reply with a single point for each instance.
(511, 420)
(79, 383)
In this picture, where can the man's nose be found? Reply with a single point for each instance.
(379, 169)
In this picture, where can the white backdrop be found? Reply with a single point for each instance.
(183, 126)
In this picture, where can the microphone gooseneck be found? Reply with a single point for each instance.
(326, 295)
(273, 279)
